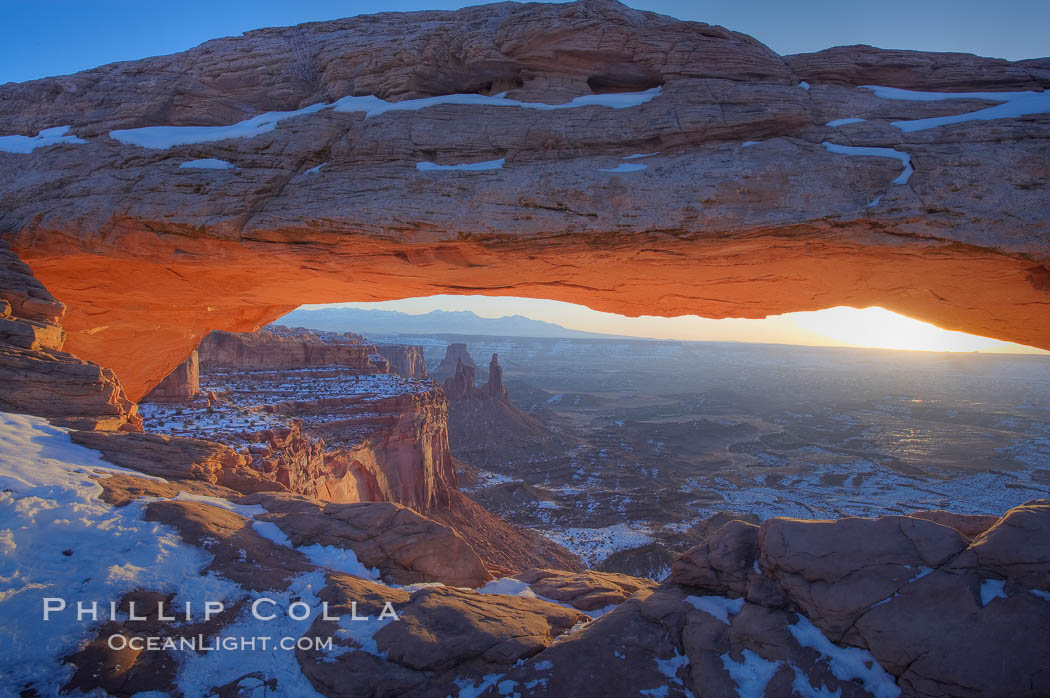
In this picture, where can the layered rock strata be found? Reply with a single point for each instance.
(405, 361)
(284, 350)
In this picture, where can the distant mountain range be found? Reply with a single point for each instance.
(392, 322)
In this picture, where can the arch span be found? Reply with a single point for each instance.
(629, 162)
(142, 314)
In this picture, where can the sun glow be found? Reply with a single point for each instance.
(841, 326)
(884, 329)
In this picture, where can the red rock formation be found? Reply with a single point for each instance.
(460, 385)
(181, 384)
(940, 614)
(484, 425)
(147, 268)
(495, 388)
(179, 458)
(455, 354)
(405, 361)
(341, 434)
(269, 350)
(403, 545)
(37, 376)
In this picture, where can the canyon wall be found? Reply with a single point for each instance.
(620, 159)
(403, 457)
(405, 361)
(268, 350)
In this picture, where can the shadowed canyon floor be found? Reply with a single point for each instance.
(632, 445)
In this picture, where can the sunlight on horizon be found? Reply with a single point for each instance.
(840, 326)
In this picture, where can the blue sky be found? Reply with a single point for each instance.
(40, 38)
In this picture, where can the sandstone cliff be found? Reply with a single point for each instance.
(405, 361)
(278, 351)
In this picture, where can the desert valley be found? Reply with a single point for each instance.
(210, 491)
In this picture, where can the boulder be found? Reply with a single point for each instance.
(1016, 548)
(723, 563)
(445, 641)
(587, 590)
(834, 571)
(404, 546)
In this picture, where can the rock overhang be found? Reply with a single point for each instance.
(146, 254)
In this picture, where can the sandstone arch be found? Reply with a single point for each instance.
(741, 212)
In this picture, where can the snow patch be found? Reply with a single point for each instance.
(466, 167)
(717, 606)
(508, 586)
(804, 85)
(49, 504)
(270, 531)
(904, 158)
(315, 169)
(248, 511)
(363, 631)
(48, 136)
(670, 667)
(751, 675)
(339, 560)
(636, 156)
(163, 137)
(843, 122)
(846, 663)
(992, 589)
(467, 689)
(1012, 105)
(625, 167)
(199, 673)
(207, 164)
(748, 144)
(804, 688)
